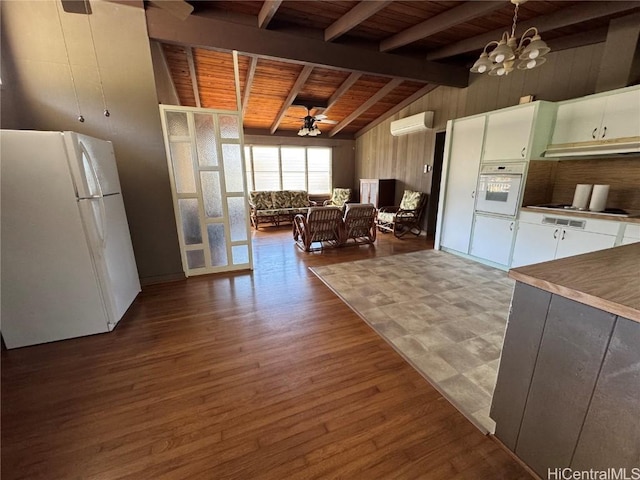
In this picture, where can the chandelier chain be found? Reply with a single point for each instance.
(515, 20)
(73, 81)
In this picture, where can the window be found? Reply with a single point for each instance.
(289, 168)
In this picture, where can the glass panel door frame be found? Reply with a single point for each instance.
(198, 168)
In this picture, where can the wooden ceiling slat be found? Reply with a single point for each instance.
(194, 77)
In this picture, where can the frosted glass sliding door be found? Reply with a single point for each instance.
(205, 155)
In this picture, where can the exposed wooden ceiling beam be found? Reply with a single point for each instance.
(465, 12)
(177, 8)
(353, 18)
(247, 86)
(193, 76)
(268, 10)
(341, 90)
(366, 105)
(583, 12)
(302, 78)
(216, 33)
(405, 103)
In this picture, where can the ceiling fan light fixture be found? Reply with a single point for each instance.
(500, 61)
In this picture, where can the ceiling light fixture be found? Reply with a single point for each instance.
(502, 58)
(309, 127)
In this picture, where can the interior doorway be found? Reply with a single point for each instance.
(434, 196)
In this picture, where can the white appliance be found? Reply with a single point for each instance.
(499, 189)
(68, 268)
(414, 123)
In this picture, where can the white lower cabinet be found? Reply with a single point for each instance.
(541, 238)
(534, 244)
(576, 242)
(492, 239)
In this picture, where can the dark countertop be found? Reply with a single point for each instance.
(608, 279)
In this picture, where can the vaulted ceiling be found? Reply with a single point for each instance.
(354, 61)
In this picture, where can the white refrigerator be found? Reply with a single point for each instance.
(67, 264)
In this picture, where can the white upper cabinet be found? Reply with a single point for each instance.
(621, 117)
(508, 134)
(606, 123)
(578, 121)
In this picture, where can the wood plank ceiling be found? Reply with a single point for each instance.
(294, 53)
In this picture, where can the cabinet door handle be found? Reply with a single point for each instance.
(604, 132)
(473, 194)
(522, 152)
(511, 226)
(563, 232)
(555, 234)
(593, 134)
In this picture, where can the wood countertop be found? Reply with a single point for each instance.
(607, 279)
(634, 215)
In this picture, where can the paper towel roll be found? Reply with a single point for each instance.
(599, 198)
(581, 196)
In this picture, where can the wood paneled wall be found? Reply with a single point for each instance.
(381, 155)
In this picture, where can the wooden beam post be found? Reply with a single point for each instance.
(247, 86)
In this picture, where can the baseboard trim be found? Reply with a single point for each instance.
(171, 277)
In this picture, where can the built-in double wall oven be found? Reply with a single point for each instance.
(499, 188)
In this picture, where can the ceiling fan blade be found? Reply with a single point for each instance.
(326, 120)
(320, 116)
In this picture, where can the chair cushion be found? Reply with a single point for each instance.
(340, 196)
(410, 200)
(261, 200)
(298, 199)
(386, 217)
(281, 199)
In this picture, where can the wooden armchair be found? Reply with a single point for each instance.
(320, 225)
(359, 224)
(339, 197)
(406, 218)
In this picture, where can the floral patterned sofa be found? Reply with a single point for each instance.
(278, 206)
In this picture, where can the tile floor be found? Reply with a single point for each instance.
(445, 314)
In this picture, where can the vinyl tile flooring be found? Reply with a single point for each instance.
(445, 314)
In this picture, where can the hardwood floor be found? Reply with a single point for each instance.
(246, 376)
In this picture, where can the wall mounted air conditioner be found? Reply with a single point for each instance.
(415, 123)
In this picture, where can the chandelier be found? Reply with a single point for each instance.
(502, 59)
(309, 127)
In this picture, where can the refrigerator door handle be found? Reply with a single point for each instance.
(99, 196)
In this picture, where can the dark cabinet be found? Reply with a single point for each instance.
(379, 192)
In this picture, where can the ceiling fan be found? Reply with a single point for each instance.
(309, 126)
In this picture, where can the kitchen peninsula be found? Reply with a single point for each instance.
(569, 378)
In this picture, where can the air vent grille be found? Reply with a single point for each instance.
(564, 222)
